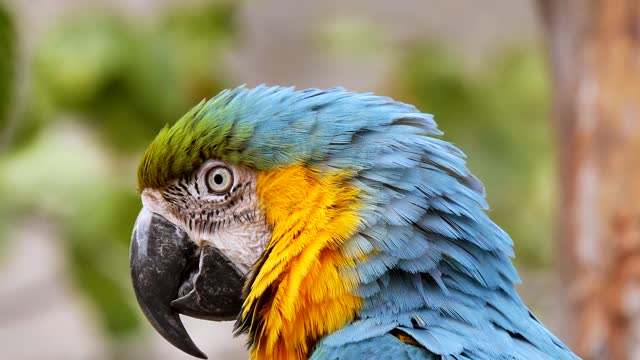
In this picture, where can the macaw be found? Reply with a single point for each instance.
(329, 225)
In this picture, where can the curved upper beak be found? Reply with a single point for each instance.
(172, 275)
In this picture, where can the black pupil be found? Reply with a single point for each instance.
(218, 179)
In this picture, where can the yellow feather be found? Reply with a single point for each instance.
(311, 215)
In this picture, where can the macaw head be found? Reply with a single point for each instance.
(292, 212)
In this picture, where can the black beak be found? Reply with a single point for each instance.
(172, 275)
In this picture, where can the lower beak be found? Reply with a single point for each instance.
(172, 275)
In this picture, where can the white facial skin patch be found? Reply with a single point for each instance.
(243, 243)
(229, 220)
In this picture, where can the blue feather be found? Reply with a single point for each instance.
(436, 269)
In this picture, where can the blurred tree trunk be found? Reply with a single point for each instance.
(594, 52)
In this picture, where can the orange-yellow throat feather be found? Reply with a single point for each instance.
(301, 291)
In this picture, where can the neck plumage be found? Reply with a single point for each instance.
(419, 260)
(298, 292)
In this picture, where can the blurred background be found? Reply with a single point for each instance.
(85, 85)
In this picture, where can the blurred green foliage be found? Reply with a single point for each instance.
(496, 112)
(7, 67)
(127, 78)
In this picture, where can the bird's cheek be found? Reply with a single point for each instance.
(243, 243)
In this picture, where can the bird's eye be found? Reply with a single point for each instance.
(219, 179)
